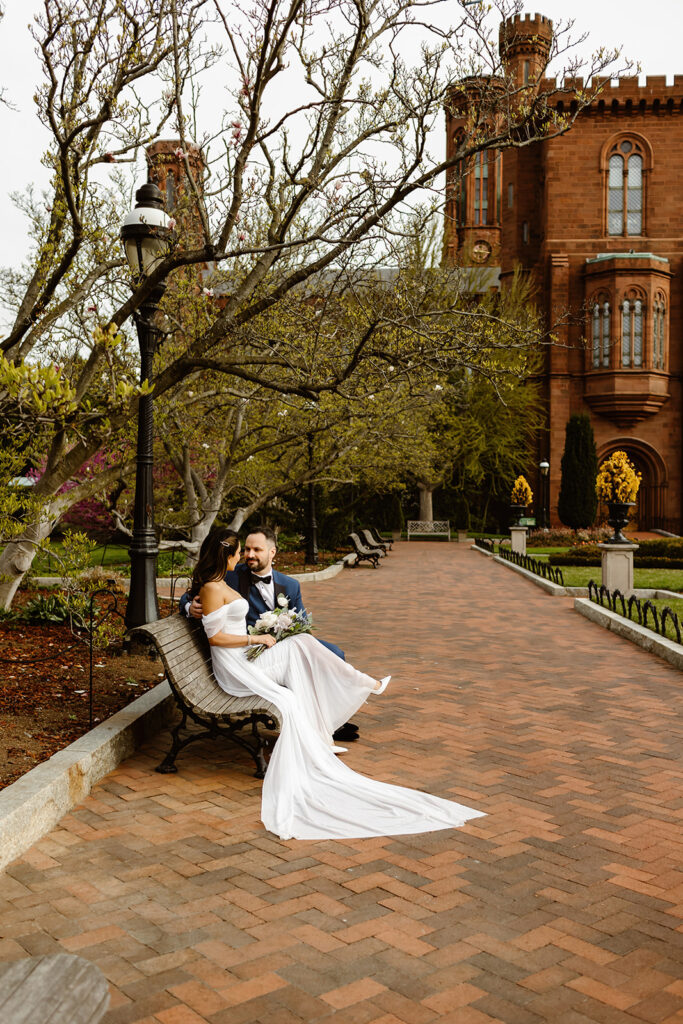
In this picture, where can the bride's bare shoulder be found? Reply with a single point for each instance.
(218, 591)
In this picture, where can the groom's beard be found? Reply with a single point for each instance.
(259, 565)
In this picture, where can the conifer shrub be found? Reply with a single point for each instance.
(578, 503)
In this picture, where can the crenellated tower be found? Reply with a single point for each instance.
(166, 169)
(524, 44)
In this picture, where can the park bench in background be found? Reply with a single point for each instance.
(372, 542)
(186, 655)
(429, 528)
(61, 989)
(380, 539)
(363, 552)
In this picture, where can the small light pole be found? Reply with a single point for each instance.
(145, 234)
(311, 522)
(544, 467)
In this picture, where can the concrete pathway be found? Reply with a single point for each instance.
(563, 905)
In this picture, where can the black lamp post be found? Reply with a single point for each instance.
(544, 467)
(145, 234)
(311, 522)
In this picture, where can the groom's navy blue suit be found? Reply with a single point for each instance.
(240, 580)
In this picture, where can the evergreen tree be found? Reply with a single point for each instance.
(578, 502)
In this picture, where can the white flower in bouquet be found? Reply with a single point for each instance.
(281, 622)
(266, 621)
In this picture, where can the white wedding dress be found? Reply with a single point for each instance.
(308, 793)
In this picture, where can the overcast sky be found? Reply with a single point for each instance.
(648, 32)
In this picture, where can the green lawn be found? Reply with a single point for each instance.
(647, 579)
(675, 606)
(110, 554)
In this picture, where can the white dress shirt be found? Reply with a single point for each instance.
(267, 590)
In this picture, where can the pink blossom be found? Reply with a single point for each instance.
(180, 153)
(171, 223)
(242, 236)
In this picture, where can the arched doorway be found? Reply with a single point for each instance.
(649, 513)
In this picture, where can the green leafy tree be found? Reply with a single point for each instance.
(577, 502)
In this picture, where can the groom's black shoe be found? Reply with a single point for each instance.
(347, 733)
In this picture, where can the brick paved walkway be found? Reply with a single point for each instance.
(563, 905)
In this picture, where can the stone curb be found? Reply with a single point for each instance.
(637, 634)
(322, 574)
(33, 805)
(550, 588)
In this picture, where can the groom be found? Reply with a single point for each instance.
(260, 584)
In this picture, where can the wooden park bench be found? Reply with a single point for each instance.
(185, 652)
(372, 542)
(363, 552)
(429, 528)
(61, 989)
(374, 532)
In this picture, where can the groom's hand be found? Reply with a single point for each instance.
(196, 608)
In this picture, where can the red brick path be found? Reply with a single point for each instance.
(563, 905)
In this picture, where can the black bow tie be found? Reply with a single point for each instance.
(260, 579)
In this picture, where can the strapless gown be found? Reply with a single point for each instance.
(308, 793)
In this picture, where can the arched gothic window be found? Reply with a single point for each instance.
(600, 331)
(479, 189)
(632, 323)
(658, 331)
(625, 187)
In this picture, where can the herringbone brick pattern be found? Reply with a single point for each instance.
(564, 905)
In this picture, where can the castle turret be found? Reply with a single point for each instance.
(524, 44)
(166, 169)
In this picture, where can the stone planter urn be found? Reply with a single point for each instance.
(516, 513)
(617, 518)
(462, 536)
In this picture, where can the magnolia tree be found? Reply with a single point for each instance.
(321, 151)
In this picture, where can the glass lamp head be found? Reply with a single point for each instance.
(146, 232)
(544, 467)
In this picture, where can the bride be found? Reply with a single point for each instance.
(307, 792)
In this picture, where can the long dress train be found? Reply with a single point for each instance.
(308, 793)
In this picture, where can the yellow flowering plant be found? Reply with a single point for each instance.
(617, 479)
(521, 492)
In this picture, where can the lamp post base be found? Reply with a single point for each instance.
(143, 605)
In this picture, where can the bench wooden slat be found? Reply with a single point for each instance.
(186, 655)
(61, 989)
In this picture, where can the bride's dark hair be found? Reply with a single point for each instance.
(218, 546)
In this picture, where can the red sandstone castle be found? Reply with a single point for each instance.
(595, 217)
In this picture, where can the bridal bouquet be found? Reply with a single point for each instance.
(280, 623)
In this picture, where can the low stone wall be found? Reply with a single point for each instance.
(32, 806)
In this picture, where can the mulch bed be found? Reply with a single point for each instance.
(44, 699)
